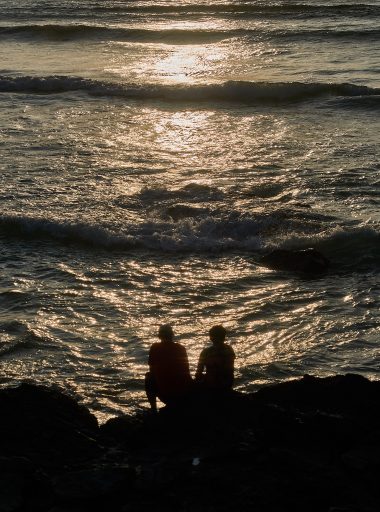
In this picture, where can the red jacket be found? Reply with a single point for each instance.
(169, 369)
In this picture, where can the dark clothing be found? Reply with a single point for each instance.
(219, 363)
(169, 371)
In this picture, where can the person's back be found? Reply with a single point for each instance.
(217, 361)
(169, 376)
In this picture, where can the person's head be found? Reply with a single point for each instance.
(165, 332)
(217, 334)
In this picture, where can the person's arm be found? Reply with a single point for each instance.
(226, 368)
(186, 363)
(151, 392)
(150, 359)
(200, 367)
(153, 359)
(183, 367)
(231, 364)
(233, 355)
(150, 385)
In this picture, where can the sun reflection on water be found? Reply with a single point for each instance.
(181, 131)
(187, 64)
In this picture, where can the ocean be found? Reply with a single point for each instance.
(151, 153)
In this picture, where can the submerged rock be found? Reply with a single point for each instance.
(308, 261)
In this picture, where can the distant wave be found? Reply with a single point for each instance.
(326, 34)
(369, 103)
(64, 32)
(232, 91)
(243, 8)
(199, 230)
(67, 32)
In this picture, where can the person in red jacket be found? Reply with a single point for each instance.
(169, 376)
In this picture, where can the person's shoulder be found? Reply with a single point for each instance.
(155, 346)
(179, 347)
(229, 350)
(208, 351)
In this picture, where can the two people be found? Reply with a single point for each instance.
(169, 376)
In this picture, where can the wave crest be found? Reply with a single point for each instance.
(185, 228)
(246, 9)
(232, 91)
(71, 31)
(181, 234)
(64, 32)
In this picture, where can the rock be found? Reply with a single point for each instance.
(308, 444)
(348, 394)
(285, 447)
(184, 211)
(122, 428)
(47, 426)
(23, 486)
(94, 484)
(308, 261)
(67, 508)
(363, 458)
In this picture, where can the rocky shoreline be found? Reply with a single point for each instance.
(305, 445)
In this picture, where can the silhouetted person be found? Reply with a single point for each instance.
(218, 363)
(169, 376)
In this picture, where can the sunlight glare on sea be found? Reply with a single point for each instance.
(152, 153)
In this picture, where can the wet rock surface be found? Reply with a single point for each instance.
(307, 261)
(310, 444)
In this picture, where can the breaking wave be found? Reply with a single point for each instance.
(189, 234)
(190, 229)
(64, 32)
(245, 8)
(71, 31)
(232, 91)
(327, 34)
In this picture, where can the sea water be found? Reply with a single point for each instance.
(151, 152)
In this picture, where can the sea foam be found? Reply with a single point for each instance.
(198, 230)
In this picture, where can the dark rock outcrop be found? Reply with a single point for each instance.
(45, 425)
(94, 485)
(308, 261)
(310, 444)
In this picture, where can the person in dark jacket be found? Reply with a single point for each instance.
(215, 371)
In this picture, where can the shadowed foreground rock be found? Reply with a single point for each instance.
(48, 426)
(305, 445)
